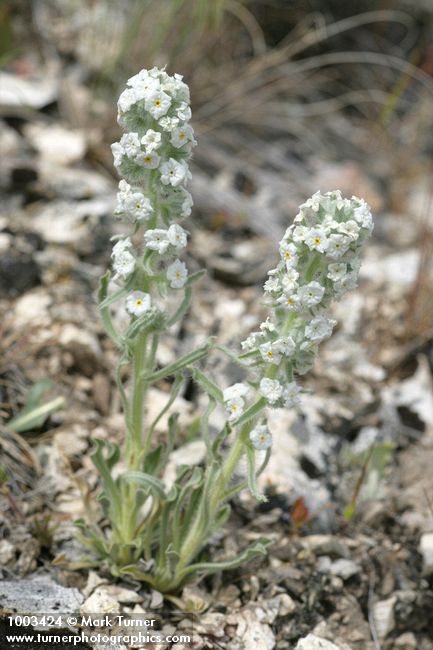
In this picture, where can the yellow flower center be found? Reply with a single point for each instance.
(138, 302)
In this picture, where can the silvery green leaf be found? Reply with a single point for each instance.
(208, 385)
(148, 481)
(252, 483)
(182, 362)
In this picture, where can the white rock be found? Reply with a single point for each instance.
(121, 594)
(56, 144)
(416, 392)
(79, 342)
(38, 595)
(93, 580)
(383, 614)
(193, 453)
(398, 269)
(35, 92)
(68, 223)
(342, 568)
(33, 308)
(286, 605)
(426, 550)
(7, 552)
(313, 642)
(100, 602)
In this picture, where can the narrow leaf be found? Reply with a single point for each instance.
(207, 385)
(251, 412)
(252, 483)
(153, 484)
(181, 363)
(36, 416)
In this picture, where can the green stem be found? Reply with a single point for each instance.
(137, 410)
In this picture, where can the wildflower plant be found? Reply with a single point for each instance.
(154, 532)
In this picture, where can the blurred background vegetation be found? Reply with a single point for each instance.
(303, 90)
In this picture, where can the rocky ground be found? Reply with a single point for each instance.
(349, 485)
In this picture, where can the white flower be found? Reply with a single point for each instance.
(289, 280)
(272, 284)
(122, 196)
(286, 346)
(236, 390)
(260, 437)
(137, 303)
(177, 274)
(316, 240)
(337, 271)
(173, 172)
(143, 84)
(271, 389)
(177, 236)
(337, 246)
(138, 206)
(288, 253)
(157, 103)
(184, 112)
(313, 202)
(131, 144)
(300, 233)
(186, 205)
(290, 394)
(362, 213)
(151, 140)
(121, 246)
(147, 159)
(156, 240)
(182, 135)
(118, 152)
(310, 294)
(267, 326)
(289, 301)
(123, 264)
(126, 100)
(349, 228)
(235, 407)
(347, 283)
(168, 123)
(270, 353)
(319, 328)
(251, 341)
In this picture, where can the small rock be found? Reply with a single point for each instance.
(383, 614)
(406, 641)
(83, 346)
(32, 308)
(342, 568)
(286, 605)
(100, 602)
(212, 624)
(34, 91)
(93, 580)
(7, 552)
(55, 143)
(229, 596)
(325, 545)
(195, 599)
(121, 594)
(39, 594)
(426, 550)
(192, 453)
(72, 442)
(157, 599)
(313, 642)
